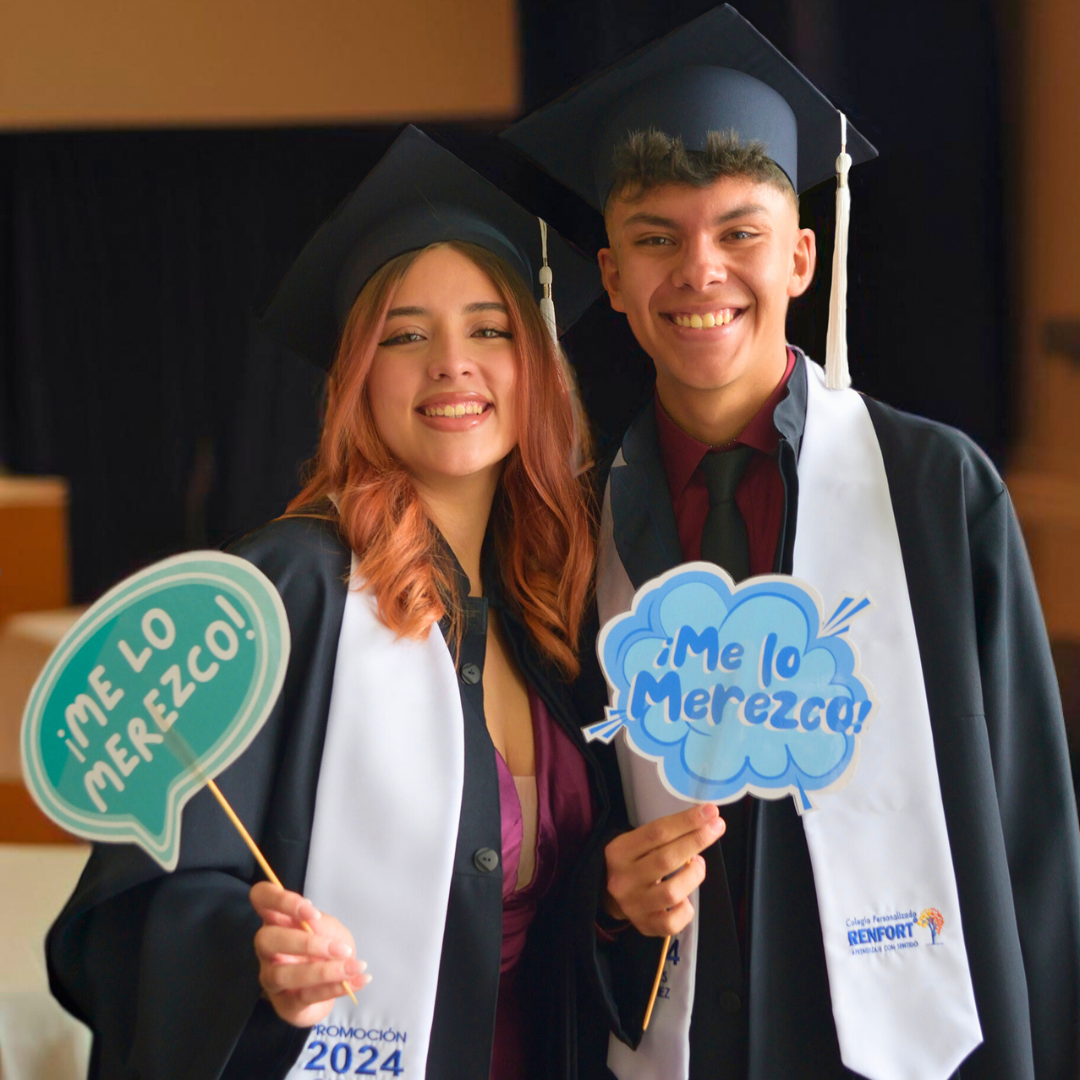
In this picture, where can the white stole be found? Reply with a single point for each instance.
(879, 845)
(383, 839)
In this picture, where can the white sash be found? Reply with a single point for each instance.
(901, 994)
(383, 840)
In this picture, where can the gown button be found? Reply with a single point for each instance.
(470, 675)
(485, 859)
(730, 1002)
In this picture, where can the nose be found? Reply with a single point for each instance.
(450, 359)
(701, 265)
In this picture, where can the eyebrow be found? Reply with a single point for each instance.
(657, 220)
(468, 309)
(486, 305)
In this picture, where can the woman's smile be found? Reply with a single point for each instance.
(455, 412)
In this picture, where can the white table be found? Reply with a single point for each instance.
(38, 1040)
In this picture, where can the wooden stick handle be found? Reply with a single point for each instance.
(259, 857)
(656, 983)
(268, 871)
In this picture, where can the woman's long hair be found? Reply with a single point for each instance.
(542, 517)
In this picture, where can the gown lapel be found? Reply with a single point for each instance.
(646, 536)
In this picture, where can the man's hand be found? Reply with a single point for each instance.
(653, 869)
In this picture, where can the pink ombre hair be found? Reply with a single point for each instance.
(542, 518)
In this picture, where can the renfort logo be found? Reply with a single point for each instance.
(933, 920)
(888, 933)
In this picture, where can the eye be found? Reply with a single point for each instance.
(402, 337)
(491, 332)
(741, 234)
(654, 241)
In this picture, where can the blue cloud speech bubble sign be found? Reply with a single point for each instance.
(736, 689)
(158, 687)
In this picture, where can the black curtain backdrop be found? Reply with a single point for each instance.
(129, 361)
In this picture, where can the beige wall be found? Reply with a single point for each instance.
(65, 63)
(1046, 480)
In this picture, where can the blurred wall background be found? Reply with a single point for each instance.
(1044, 473)
(168, 62)
(160, 165)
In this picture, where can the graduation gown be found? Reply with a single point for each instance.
(162, 966)
(1002, 761)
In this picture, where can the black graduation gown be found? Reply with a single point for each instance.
(162, 966)
(1002, 761)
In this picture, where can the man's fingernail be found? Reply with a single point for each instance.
(707, 812)
(339, 948)
(363, 965)
(352, 968)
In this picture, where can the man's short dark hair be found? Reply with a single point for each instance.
(651, 159)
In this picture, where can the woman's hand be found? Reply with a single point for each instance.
(301, 973)
(652, 870)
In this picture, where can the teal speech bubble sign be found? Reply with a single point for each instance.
(157, 689)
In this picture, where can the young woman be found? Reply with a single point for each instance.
(422, 788)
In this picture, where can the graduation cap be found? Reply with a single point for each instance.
(716, 73)
(419, 194)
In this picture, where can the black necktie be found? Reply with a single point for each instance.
(723, 540)
(718, 1022)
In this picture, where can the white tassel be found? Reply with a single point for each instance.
(547, 305)
(837, 376)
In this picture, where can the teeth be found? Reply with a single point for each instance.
(699, 322)
(471, 408)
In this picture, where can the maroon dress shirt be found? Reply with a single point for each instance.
(760, 495)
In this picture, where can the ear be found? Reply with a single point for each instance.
(803, 263)
(609, 274)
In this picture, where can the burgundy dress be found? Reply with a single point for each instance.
(564, 821)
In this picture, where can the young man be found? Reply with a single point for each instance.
(694, 150)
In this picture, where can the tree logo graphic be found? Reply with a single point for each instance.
(933, 920)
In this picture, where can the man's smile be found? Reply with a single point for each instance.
(707, 320)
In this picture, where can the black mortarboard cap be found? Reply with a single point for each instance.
(716, 73)
(418, 194)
